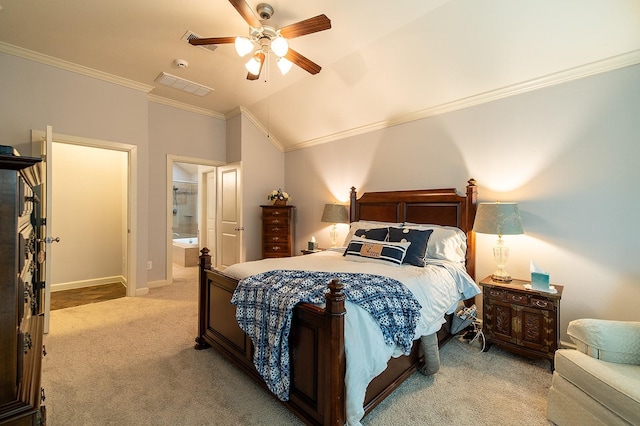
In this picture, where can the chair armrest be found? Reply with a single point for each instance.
(613, 341)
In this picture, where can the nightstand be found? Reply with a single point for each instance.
(305, 251)
(520, 320)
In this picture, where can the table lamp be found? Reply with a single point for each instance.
(499, 219)
(335, 213)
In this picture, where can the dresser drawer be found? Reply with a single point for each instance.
(277, 249)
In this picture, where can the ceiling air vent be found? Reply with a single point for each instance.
(182, 84)
(189, 35)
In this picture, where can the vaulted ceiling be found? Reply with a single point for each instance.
(383, 62)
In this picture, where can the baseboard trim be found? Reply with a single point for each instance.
(159, 283)
(142, 291)
(88, 283)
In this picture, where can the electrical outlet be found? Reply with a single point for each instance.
(149, 264)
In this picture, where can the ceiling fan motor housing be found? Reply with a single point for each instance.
(265, 11)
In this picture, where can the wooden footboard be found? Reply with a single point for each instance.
(316, 342)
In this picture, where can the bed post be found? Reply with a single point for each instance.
(335, 410)
(352, 204)
(205, 263)
(472, 199)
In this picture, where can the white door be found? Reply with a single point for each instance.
(209, 233)
(42, 147)
(229, 214)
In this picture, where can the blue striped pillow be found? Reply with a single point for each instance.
(364, 250)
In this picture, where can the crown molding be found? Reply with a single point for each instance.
(265, 132)
(169, 102)
(70, 66)
(597, 67)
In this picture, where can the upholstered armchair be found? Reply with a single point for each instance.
(598, 383)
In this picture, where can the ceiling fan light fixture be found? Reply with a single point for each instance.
(243, 46)
(284, 65)
(280, 46)
(254, 64)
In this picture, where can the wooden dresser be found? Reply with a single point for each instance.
(277, 231)
(521, 320)
(21, 292)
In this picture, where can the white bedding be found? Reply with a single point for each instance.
(438, 287)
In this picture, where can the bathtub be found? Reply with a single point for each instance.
(185, 251)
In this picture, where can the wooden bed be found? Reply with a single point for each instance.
(317, 393)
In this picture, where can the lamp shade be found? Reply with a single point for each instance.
(243, 46)
(498, 219)
(335, 213)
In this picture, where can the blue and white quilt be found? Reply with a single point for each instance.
(265, 305)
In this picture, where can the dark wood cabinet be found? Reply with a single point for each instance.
(521, 320)
(21, 291)
(277, 231)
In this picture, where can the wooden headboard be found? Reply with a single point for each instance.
(435, 206)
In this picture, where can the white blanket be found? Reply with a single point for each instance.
(438, 287)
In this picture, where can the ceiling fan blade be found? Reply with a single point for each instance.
(308, 26)
(211, 40)
(246, 12)
(304, 63)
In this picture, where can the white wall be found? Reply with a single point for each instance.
(262, 171)
(568, 154)
(89, 195)
(35, 95)
(177, 132)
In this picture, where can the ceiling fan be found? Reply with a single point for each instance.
(269, 38)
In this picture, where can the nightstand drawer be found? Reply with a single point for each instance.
(496, 294)
(542, 303)
(517, 298)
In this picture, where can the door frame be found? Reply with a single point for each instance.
(171, 159)
(132, 194)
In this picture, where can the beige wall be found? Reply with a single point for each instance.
(568, 154)
(89, 197)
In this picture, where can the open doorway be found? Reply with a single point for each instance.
(81, 240)
(190, 202)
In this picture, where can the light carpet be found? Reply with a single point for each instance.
(131, 361)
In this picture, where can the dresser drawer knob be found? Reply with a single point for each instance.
(275, 248)
(276, 238)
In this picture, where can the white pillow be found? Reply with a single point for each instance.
(366, 224)
(363, 250)
(446, 242)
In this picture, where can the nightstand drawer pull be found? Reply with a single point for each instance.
(539, 303)
(496, 294)
(517, 298)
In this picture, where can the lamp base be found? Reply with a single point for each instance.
(501, 276)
